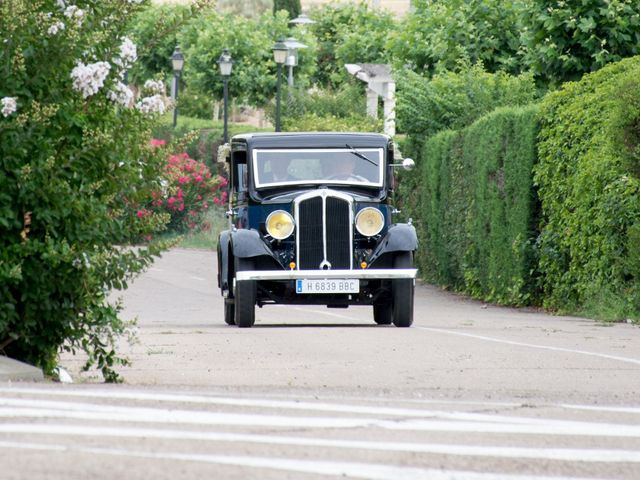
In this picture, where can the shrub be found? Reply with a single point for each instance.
(189, 191)
(475, 207)
(74, 156)
(589, 185)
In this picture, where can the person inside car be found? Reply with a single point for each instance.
(279, 171)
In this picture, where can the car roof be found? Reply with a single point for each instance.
(312, 139)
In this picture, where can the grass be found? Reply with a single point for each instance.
(202, 239)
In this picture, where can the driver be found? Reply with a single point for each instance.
(341, 168)
(279, 171)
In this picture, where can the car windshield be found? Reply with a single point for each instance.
(348, 166)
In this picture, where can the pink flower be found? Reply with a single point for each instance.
(171, 201)
(183, 179)
(142, 213)
(157, 142)
(198, 178)
(217, 201)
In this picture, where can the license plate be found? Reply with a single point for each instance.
(327, 286)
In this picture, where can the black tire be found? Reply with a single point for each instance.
(229, 311)
(245, 296)
(383, 314)
(402, 292)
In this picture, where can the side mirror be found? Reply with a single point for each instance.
(408, 164)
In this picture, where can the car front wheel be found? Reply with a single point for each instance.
(402, 291)
(245, 295)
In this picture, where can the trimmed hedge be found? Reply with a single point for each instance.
(476, 205)
(589, 182)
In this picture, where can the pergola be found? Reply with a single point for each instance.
(379, 83)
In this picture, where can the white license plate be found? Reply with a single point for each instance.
(327, 286)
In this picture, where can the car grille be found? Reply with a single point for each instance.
(315, 236)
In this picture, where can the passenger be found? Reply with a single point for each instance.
(279, 171)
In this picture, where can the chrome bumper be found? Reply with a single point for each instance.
(367, 274)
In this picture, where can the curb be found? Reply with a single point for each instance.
(13, 370)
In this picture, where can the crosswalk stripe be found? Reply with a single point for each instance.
(366, 471)
(560, 454)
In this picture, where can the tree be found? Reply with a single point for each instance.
(291, 6)
(566, 39)
(437, 34)
(75, 161)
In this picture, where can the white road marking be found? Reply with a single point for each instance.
(531, 345)
(51, 409)
(559, 454)
(350, 469)
(602, 408)
(274, 404)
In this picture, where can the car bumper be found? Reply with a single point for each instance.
(366, 274)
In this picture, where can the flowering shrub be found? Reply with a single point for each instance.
(190, 191)
(73, 145)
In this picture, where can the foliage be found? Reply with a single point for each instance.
(565, 39)
(437, 34)
(292, 7)
(250, 42)
(475, 207)
(454, 100)
(156, 30)
(589, 186)
(74, 157)
(348, 33)
(343, 109)
(188, 192)
(311, 122)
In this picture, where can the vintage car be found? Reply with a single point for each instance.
(311, 224)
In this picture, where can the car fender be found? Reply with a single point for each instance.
(247, 243)
(400, 237)
(224, 242)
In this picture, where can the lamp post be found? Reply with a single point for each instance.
(225, 63)
(302, 20)
(293, 46)
(280, 52)
(177, 62)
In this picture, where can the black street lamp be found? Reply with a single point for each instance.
(280, 52)
(225, 63)
(177, 62)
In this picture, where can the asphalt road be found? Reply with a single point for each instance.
(469, 392)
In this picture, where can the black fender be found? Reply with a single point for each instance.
(224, 242)
(400, 237)
(248, 243)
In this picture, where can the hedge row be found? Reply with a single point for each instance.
(476, 207)
(539, 204)
(589, 180)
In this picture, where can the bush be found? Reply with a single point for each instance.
(455, 99)
(475, 208)
(589, 185)
(74, 158)
(188, 193)
(311, 122)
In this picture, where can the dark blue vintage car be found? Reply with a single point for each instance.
(310, 223)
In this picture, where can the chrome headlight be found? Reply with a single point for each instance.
(280, 224)
(369, 221)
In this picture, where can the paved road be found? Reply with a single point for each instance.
(470, 392)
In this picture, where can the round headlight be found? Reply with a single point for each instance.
(279, 224)
(369, 221)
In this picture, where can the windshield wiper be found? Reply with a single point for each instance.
(360, 155)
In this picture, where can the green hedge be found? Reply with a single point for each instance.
(476, 205)
(589, 182)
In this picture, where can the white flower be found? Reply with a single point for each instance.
(88, 79)
(121, 94)
(61, 4)
(128, 54)
(74, 12)
(151, 105)
(155, 86)
(55, 28)
(135, 1)
(9, 106)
